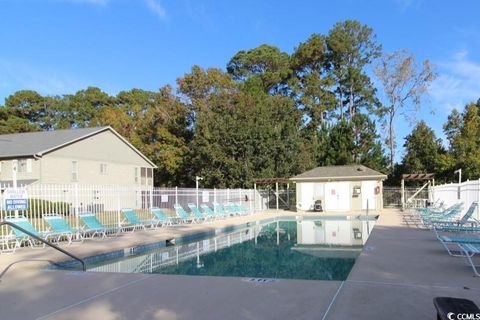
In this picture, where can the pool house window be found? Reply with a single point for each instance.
(103, 168)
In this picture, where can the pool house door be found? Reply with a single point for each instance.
(307, 194)
(337, 196)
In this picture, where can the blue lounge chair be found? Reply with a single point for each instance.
(470, 250)
(199, 216)
(134, 222)
(162, 218)
(19, 237)
(232, 209)
(448, 241)
(242, 209)
(467, 218)
(454, 209)
(61, 228)
(208, 212)
(454, 228)
(449, 214)
(182, 215)
(426, 212)
(219, 210)
(93, 227)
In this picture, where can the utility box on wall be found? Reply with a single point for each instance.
(357, 190)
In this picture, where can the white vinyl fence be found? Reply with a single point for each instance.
(466, 192)
(106, 202)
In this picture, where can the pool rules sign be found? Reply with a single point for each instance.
(15, 199)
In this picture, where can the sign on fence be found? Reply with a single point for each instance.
(15, 199)
(164, 198)
(205, 196)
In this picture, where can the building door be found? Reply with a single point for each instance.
(338, 232)
(368, 194)
(306, 201)
(337, 196)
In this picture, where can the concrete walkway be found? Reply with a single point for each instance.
(399, 272)
(397, 275)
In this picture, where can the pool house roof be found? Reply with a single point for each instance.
(346, 172)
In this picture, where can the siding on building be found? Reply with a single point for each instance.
(317, 190)
(89, 154)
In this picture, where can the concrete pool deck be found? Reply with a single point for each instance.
(399, 271)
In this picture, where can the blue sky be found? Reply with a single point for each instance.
(61, 46)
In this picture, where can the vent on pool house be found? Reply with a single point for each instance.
(360, 169)
(261, 280)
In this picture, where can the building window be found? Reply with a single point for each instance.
(145, 178)
(143, 175)
(24, 165)
(103, 168)
(149, 176)
(74, 171)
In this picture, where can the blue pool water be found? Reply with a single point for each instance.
(315, 249)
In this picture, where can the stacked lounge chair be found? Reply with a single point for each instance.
(468, 246)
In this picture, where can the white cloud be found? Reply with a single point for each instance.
(93, 2)
(403, 4)
(458, 82)
(19, 76)
(156, 8)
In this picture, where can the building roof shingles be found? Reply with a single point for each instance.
(29, 144)
(339, 173)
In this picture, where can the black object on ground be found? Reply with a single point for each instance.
(448, 308)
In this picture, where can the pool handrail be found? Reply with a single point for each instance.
(30, 234)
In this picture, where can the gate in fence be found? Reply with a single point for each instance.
(392, 197)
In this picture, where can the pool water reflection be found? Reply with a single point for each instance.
(320, 249)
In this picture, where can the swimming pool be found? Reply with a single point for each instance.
(291, 248)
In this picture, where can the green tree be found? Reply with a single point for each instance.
(157, 123)
(240, 132)
(10, 123)
(341, 143)
(352, 46)
(354, 141)
(266, 64)
(422, 150)
(464, 138)
(367, 148)
(313, 84)
(83, 108)
(32, 107)
(404, 84)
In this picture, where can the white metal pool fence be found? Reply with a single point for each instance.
(106, 202)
